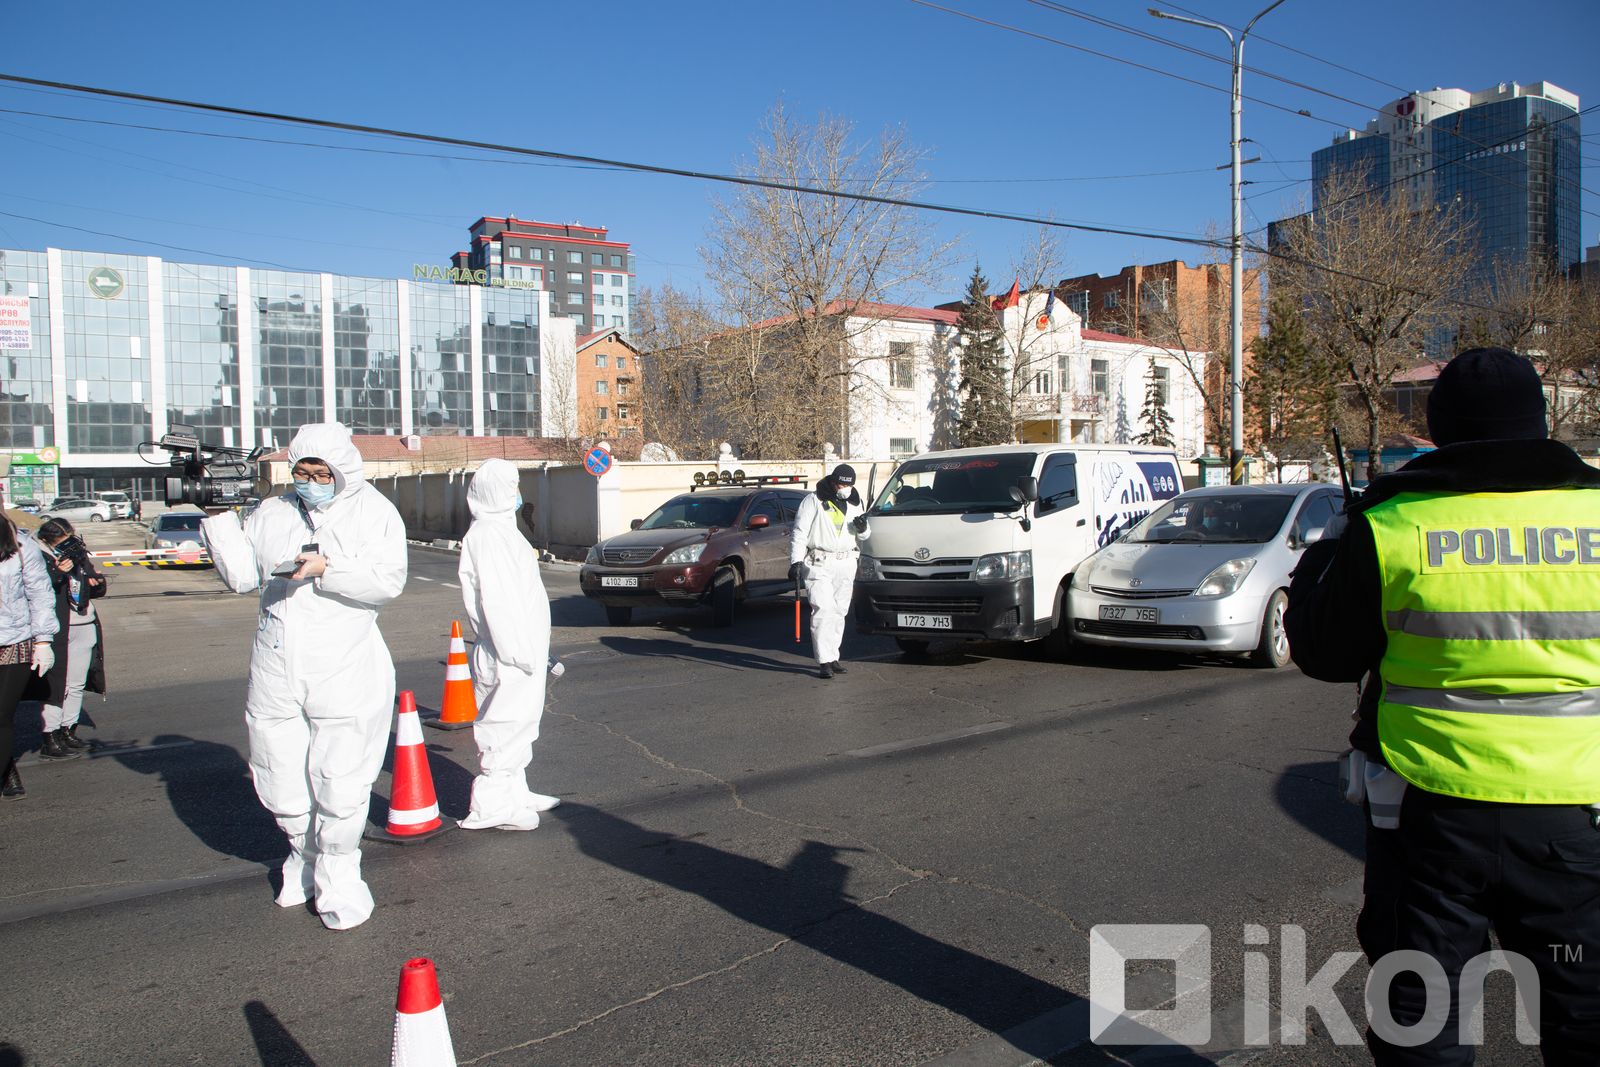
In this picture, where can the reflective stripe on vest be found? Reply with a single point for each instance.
(1491, 676)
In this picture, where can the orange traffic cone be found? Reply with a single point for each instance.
(413, 806)
(421, 1034)
(459, 708)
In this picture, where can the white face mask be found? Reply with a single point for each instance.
(844, 494)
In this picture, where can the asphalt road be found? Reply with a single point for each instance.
(750, 865)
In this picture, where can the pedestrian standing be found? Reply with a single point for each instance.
(822, 553)
(79, 643)
(27, 623)
(1468, 582)
(326, 556)
(505, 600)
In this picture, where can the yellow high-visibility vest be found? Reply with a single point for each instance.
(1491, 679)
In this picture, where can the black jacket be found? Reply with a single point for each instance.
(1335, 615)
(52, 688)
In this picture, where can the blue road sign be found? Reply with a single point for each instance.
(597, 461)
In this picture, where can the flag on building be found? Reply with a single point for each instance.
(1049, 306)
(1010, 300)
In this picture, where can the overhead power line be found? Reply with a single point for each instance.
(647, 168)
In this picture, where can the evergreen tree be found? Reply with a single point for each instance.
(985, 414)
(1154, 415)
(1292, 396)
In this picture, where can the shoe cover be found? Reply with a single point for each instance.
(343, 899)
(501, 801)
(297, 877)
(542, 801)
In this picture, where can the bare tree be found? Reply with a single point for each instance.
(1030, 352)
(799, 276)
(1374, 279)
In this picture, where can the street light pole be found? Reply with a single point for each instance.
(1236, 245)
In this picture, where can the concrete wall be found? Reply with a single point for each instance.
(567, 509)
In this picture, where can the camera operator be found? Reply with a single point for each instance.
(326, 556)
(79, 643)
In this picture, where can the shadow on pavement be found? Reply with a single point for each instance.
(808, 902)
(452, 783)
(209, 787)
(719, 654)
(12, 1056)
(274, 1044)
(1309, 794)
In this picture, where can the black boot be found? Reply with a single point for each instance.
(69, 737)
(56, 749)
(838, 668)
(12, 789)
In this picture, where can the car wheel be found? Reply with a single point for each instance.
(96, 517)
(1273, 650)
(912, 647)
(618, 616)
(1057, 644)
(724, 595)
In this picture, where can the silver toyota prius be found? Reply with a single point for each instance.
(1208, 571)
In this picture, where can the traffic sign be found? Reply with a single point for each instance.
(597, 461)
(105, 283)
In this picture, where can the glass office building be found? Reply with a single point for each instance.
(101, 353)
(1509, 156)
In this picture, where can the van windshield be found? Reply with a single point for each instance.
(955, 484)
(1222, 518)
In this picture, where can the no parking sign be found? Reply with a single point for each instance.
(597, 461)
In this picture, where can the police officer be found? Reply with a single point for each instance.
(823, 554)
(1467, 584)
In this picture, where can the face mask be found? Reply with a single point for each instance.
(316, 494)
(519, 502)
(844, 494)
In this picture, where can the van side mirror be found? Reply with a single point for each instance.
(759, 522)
(1029, 486)
(635, 524)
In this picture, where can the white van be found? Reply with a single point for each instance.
(982, 542)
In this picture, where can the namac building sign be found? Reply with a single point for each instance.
(427, 272)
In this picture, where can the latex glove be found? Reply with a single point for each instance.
(799, 572)
(44, 657)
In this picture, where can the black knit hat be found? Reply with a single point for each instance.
(1487, 394)
(843, 474)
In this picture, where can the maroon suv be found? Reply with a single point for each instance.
(715, 545)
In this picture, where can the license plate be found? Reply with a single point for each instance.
(609, 582)
(922, 622)
(1117, 613)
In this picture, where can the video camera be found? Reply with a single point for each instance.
(208, 476)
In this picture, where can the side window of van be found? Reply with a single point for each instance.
(1058, 483)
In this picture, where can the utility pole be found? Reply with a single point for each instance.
(1236, 245)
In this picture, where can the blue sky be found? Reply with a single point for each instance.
(1010, 122)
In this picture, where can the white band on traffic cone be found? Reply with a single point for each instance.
(422, 1039)
(408, 731)
(457, 672)
(414, 817)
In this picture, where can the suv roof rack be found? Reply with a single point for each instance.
(733, 479)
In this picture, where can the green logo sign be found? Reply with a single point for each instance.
(105, 283)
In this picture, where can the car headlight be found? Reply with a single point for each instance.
(1080, 577)
(1003, 565)
(593, 556)
(686, 554)
(1225, 579)
(867, 569)
(162, 542)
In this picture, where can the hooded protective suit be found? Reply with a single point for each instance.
(505, 599)
(321, 681)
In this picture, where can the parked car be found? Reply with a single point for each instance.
(175, 529)
(32, 507)
(77, 509)
(121, 504)
(1206, 572)
(717, 544)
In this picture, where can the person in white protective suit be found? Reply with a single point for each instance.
(325, 556)
(823, 553)
(505, 599)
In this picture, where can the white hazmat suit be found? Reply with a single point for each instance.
(824, 542)
(506, 602)
(321, 681)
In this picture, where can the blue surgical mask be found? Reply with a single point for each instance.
(519, 502)
(315, 494)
